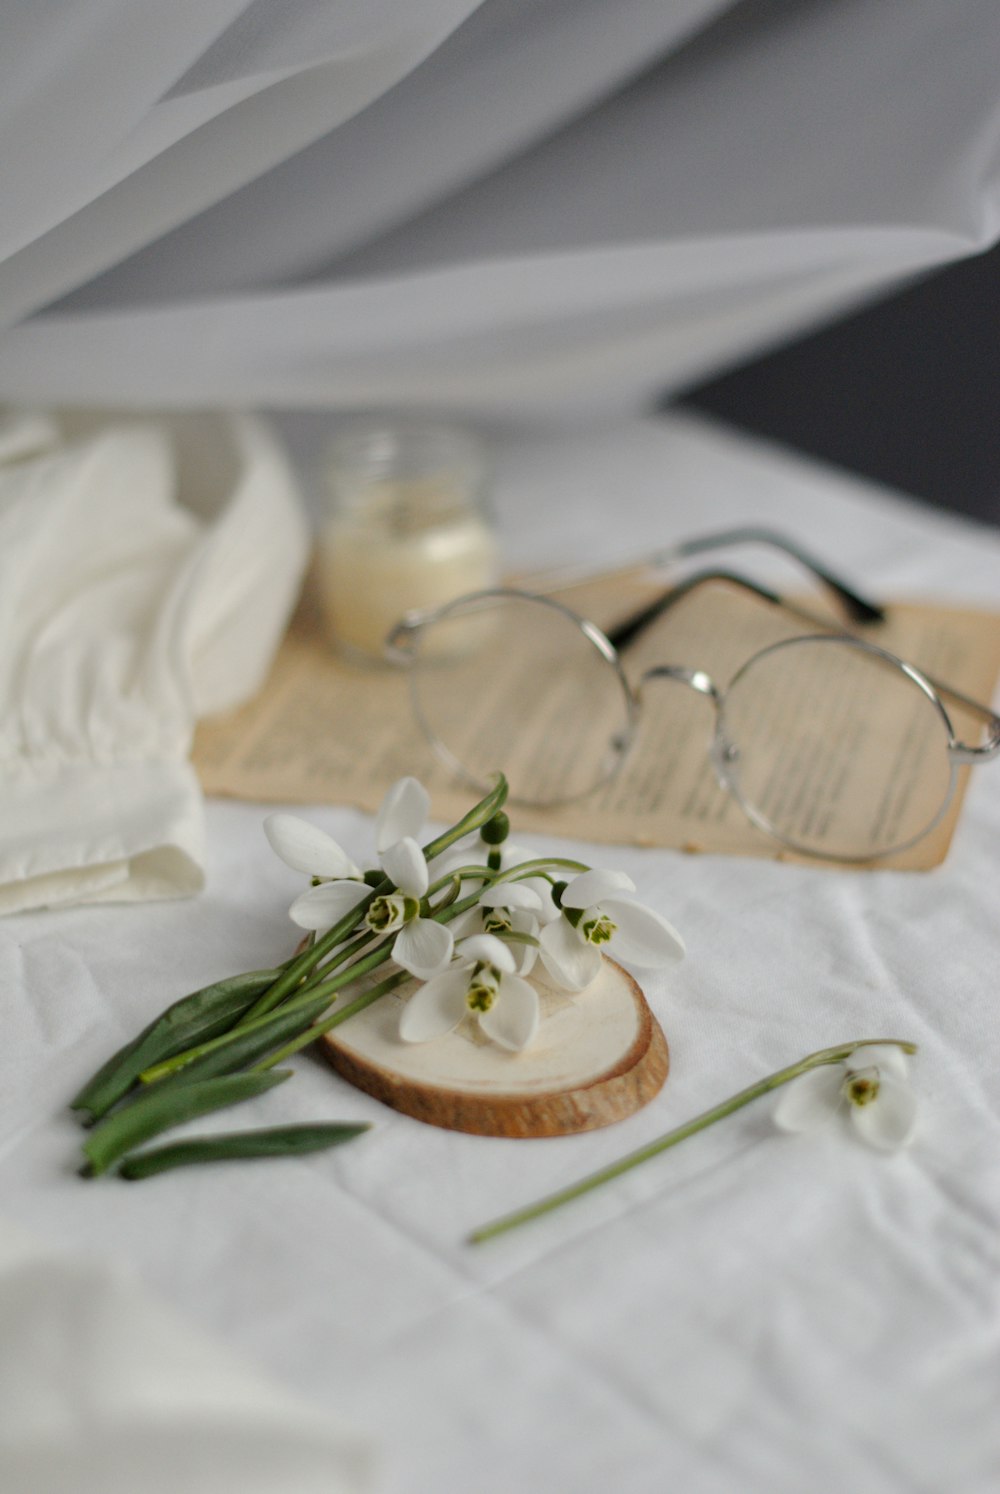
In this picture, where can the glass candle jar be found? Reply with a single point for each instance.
(407, 526)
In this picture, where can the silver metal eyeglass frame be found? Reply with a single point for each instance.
(402, 648)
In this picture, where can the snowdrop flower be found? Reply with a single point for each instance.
(481, 979)
(512, 857)
(403, 813)
(505, 908)
(422, 946)
(595, 913)
(306, 848)
(871, 1083)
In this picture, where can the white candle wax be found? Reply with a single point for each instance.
(408, 546)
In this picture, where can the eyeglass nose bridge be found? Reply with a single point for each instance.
(401, 642)
(695, 679)
(703, 684)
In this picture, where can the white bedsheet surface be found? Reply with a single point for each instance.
(750, 1312)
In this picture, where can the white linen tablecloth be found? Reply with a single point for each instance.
(750, 1312)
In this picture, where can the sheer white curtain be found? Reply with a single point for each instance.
(521, 207)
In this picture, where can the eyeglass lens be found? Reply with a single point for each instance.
(834, 749)
(514, 683)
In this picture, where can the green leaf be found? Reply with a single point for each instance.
(91, 1097)
(279, 1141)
(195, 1018)
(245, 1046)
(155, 1112)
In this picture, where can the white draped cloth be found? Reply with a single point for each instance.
(513, 208)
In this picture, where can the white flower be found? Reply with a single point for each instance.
(306, 848)
(506, 907)
(402, 814)
(871, 1083)
(481, 979)
(422, 946)
(511, 857)
(595, 913)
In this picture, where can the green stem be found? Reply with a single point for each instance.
(305, 997)
(464, 873)
(317, 1030)
(307, 961)
(527, 869)
(690, 1128)
(368, 998)
(477, 816)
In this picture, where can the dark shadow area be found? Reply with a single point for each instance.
(906, 392)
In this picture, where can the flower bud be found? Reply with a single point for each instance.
(496, 830)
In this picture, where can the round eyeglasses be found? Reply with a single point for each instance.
(517, 681)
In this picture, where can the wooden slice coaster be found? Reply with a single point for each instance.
(598, 1057)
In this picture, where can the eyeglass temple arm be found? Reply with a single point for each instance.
(630, 628)
(857, 607)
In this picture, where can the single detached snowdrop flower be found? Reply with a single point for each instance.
(481, 979)
(596, 912)
(867, 1074)
(871, 1084)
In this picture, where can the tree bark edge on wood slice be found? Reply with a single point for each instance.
(633, 1076)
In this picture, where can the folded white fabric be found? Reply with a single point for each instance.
(147, 570)
(104, 1392)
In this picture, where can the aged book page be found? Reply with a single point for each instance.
(323, 730)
